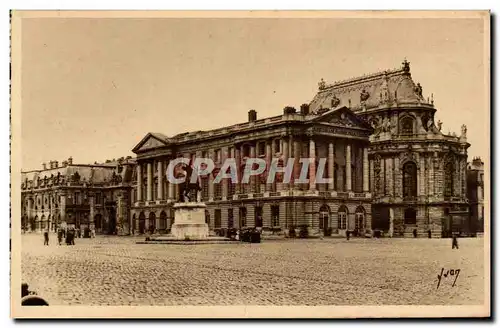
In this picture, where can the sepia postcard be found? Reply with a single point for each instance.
(250, 164)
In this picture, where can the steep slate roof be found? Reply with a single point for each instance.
(369, 91)
(99, 174)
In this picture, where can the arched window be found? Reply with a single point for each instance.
(410, 216)
(448, 179)
(360, 218)
(407, 126)
(152, 222)
(324, 217)
(163, 220)
(409, 180)
(342, 218)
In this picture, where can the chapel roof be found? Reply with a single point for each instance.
(369, 91)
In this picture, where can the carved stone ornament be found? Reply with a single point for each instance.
(406, 157)
(364, 95)
(335, 101)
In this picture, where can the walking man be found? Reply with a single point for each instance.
(46, 238)
(59, 236)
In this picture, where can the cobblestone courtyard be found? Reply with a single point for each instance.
(116, 271)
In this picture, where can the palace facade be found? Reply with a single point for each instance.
(391, 170)
(77, 195)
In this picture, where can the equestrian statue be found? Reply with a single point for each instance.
(188, 191)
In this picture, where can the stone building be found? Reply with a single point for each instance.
(475, 193)
(392, 170)
(417, 173)
(335, 134)
(77, 195)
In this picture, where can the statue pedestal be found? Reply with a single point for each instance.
(189, 221)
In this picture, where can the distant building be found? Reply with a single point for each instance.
(77, 195)
(475, 193)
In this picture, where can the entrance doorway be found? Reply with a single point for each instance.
(324, 220)
(142, 223)
(342, 219)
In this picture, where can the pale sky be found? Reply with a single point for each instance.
(93, 88)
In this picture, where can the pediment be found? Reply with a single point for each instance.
(149, 142)
(341, 117)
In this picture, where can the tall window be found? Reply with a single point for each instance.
(324, 217)
(277, 145)
(204, 188)
(217, 214)
(342, 218)
(163, 220)
(448, 179)
(258, 216)
(410, 216)
(218, 190)
(407, 126)
(410, 180)
(243, 217)
(230, 218)
(275, 215)
(360, 218)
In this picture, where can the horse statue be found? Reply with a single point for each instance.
(188, 191)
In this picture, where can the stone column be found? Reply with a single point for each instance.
(389, 176)
(237, 155)
(211, 190)
(331, 167)
(150, 181)
(225, 182)
(366, 173)
(273, 153)
(422, 176)
(296, 164)
(62, 208)
(160, 180)
(397, 179)
(348, 168)
(285, 160)
(139, 182)
(269, 156)
(312, 164)
(253, 178)
(171, 191)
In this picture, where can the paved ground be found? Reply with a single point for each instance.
(116, 271)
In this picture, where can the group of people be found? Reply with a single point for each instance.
(69, 234)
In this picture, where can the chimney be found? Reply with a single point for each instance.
(44, 165)
(304, 109)
(289, 110)
(252, 115)
(70, 160)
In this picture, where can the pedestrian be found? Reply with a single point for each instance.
(59, 236)
(454, 242)
(347, 234)
(414, 233)
(430, 234)
(46, 238)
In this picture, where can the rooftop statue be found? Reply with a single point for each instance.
(321, 84)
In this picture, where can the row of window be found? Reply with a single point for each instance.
(242, 211)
